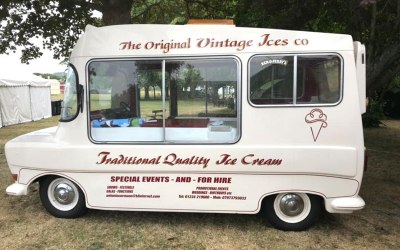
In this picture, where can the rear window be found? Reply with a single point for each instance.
(295, 79)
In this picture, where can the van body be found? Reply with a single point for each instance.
(203, 118)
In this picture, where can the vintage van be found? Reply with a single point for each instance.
(203, 118)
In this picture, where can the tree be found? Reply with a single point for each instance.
(59, 23)
(58, 76)
(180, 11)
(383, 44)
(150, 79)
(190, 78)
(375, 23)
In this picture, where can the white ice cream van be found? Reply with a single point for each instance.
(203, 118)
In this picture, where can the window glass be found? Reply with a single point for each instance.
(203, 95)
(119, 88)
(197, 103)
(69, 108)
(124, 95)
(205, 88)
(271, 80)
(318, 79)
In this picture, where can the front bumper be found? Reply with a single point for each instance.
(17, 189)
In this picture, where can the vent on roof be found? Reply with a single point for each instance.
(211, 21)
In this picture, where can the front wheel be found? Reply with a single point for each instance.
(62, 198)
(292, 211)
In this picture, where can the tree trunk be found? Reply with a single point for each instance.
(117, 11)
(173, 100)
(146, 93)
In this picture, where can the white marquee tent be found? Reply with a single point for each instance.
(24, 99)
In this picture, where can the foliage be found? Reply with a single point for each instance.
(394, 85)
(391, 98)
(180, 11)
(375, 23)
(189, 79)
(149, 78)
(58, 76)
(374, 114)
(285, 14)
(58, 23)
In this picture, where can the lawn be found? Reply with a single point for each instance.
(24, 224)
(192, 107)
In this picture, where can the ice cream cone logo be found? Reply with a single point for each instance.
(317, 120)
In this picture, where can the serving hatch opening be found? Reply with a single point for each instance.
(211, 21)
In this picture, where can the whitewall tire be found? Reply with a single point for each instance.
(292, 211)
(62, 197)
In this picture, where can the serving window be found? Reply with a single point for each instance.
(295, 80)
(188, 100)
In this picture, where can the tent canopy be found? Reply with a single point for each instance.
(24, 99)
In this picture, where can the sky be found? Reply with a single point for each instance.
(11, 66)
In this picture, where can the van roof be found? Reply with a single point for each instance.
(149, 40)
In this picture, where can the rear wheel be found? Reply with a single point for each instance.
(292, 211)
(62, 198)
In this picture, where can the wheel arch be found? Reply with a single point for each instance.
(292, 210)
(43, 176)
(62, 196)
(261, 203)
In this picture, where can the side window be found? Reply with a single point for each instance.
(202, 96)
(188, 101)
(318, 80)
(271, 80)
(70, 104)
(120, 101)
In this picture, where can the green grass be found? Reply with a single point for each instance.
(58, 97)
(24, 224)
(185, 107)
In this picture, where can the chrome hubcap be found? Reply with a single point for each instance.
(64, 193)
(291, 204)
